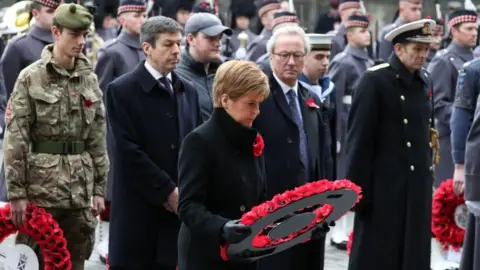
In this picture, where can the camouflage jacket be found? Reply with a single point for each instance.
(49, 103)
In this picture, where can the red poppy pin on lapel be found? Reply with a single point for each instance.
(88, 103)
(311, 103)
(258, 145)
(430, 94)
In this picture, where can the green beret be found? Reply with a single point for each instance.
(72, 16)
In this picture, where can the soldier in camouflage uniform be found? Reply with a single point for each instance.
(55, 138)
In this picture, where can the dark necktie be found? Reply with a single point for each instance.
(297, 118)
(165, 82)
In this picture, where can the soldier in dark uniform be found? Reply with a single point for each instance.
(258, 47)
(444, 72)
(464, 111)
(346, 8)
(242, 13)
(389, 156)
(23, 50)
(346, 69)
(122, 54)
(434, 47)
(409, 11)
(280, 20)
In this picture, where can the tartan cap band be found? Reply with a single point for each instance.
(48, 3)
(356, 24)
(461, 19)
(131, 8)
(284, 19)
(348, 5)
(267, 8)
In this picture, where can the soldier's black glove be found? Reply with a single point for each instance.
(233, 232)
(321, 230)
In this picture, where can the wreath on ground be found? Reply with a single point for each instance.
(45, 230)
(290, 196)
(448, 216)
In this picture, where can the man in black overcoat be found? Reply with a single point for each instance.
(150, 111)
(290, 122)
(389, 155)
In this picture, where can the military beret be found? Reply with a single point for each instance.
(417, 31)
(461, 16)
(264, 6)
(48, 3)
(346, 4)
(357, 21)
(131, 6)
(284, 17)
(73, 16)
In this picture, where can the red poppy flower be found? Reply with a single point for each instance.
(258, 145)
(430, 94)
(88, 103)
(311, 103)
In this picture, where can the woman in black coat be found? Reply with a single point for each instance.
(221, 176)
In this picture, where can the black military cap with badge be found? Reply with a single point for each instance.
(203, 7)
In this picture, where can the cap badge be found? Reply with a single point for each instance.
(426, 30)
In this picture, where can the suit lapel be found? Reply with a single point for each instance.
(280, 99)
(311, 125)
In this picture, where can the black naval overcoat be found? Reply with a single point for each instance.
(389, 156)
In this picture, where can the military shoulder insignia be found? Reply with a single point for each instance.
(380, 66)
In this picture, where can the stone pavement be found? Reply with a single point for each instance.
(335, 259)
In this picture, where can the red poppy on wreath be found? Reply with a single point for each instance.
(449, 215)
(88, 103)
(279, 201)
(41, 226)
(311, 103)
(258, 145)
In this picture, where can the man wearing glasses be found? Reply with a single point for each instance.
(296, 139)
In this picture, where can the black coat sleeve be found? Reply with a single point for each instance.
(153, 183)
(362, 126)
(194, 164)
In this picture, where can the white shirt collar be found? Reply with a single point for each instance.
(155, 72)
(285, 87)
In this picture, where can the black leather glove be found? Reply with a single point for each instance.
(233, 232)
(321, 230)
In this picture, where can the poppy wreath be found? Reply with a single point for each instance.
(349, 243)
(45, 230)
(444, 228)
(281, 200)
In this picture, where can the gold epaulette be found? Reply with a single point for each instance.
(380, 66)
(435, 145)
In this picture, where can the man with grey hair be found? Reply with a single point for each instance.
(201, 57)
(150, 111)
(296, 139)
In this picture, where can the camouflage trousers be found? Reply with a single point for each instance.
(78, 227)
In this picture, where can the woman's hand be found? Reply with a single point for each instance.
(233, 232)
